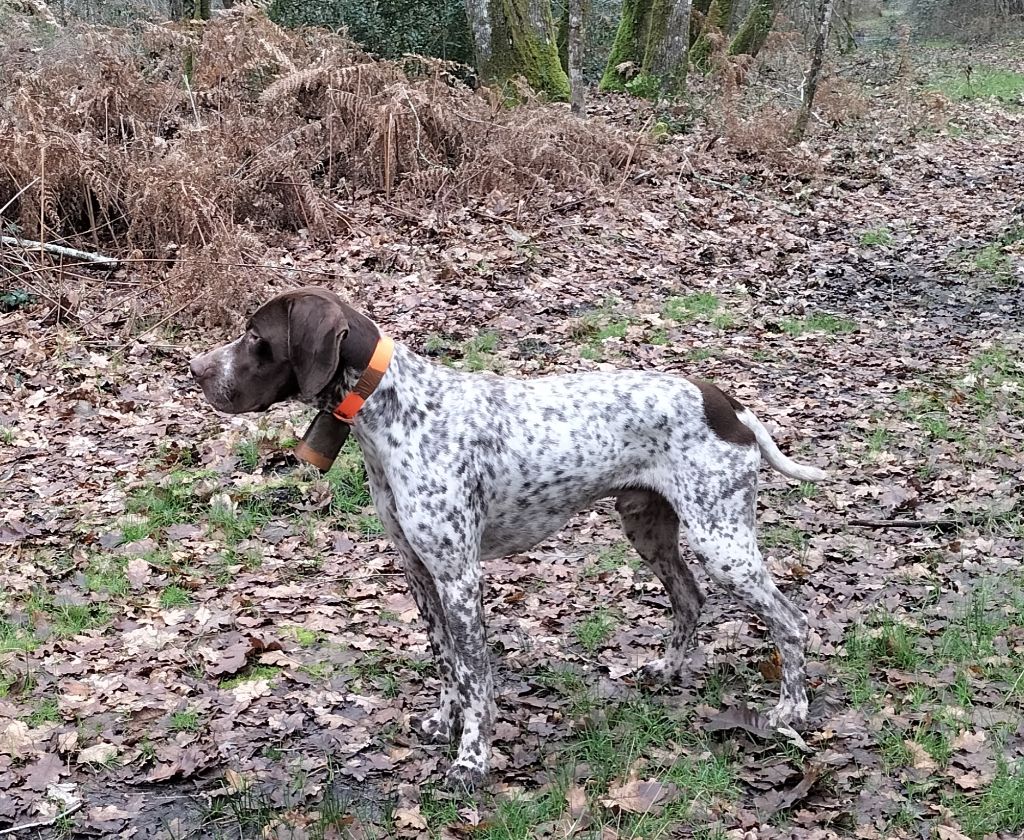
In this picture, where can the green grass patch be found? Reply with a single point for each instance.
(239, 520)
(624, 733)
(252, 812)
(598, 326)
(46, 711)
(347, 479)
(817, 322)
(879, 440)
(106, 574)
(6, 435)
(518, 818)
(183, 497)
(251, 674)
(936, 425)
(595, 630)
(248, 454)
(478, 352)
(876, 237)
(16, 637)
(991, 259)
(997, 808)
(982, 630)
(381, 671)
(7, 680)
(930, 412)
(784, 536)
(369, 525)
(879, 643)
(645, 86)
(692, 307)
(322, 671)
(985, 82)
(172, 501)
(174, 596)
(996, 379)
(612, 559)
(67, 619)
(186, 720)
(304, 637)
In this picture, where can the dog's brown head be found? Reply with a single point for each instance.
(294, 346)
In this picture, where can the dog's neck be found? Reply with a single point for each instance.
(356, 351)
(407, 392)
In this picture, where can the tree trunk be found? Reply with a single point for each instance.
(651, 41)
(577, 11)
(716, 21)
(810, 84)
(671, 61)
(517, 37)
(753, 32)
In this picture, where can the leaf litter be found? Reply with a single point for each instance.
(187, 625)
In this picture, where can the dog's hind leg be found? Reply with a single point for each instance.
(727, 545)
(652, 526)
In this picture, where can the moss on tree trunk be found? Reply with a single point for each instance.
(648, 38)
(630, 42)
(517, 37)
(753, 32)
(715, 21)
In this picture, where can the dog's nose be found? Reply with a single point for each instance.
(198, 367)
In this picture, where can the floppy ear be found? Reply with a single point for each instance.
(316, 328)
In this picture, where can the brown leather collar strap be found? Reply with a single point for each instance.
(348, 408)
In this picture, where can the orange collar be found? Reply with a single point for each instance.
(348, 408)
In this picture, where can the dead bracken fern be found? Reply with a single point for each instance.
(172, 140)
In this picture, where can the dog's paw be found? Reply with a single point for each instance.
(789, 712)
(656, 674)
(464, 777)
(435, 728)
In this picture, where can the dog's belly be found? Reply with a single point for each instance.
(517, 524)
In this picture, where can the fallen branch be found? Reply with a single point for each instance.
(15, 829)
(905, 523)
(85, 258)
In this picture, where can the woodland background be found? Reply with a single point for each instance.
(199, 638)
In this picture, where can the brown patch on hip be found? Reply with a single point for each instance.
(720, 412)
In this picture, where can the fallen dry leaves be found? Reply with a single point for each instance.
(240, 660)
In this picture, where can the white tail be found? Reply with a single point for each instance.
(786, 466)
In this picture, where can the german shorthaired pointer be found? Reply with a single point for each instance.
(464, 467)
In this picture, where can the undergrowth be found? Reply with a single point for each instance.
(181, 146)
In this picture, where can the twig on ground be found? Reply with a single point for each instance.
(15, 829)
(905, 523)
(87, 259)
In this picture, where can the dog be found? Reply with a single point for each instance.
(464, 467)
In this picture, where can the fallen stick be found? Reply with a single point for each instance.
(14, 829)
(88, 259)
(905, 523)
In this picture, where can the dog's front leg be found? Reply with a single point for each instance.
(442, 723)
(439, 726)
(448, 546)
(474, 682)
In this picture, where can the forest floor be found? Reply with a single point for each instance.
(199, 639)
